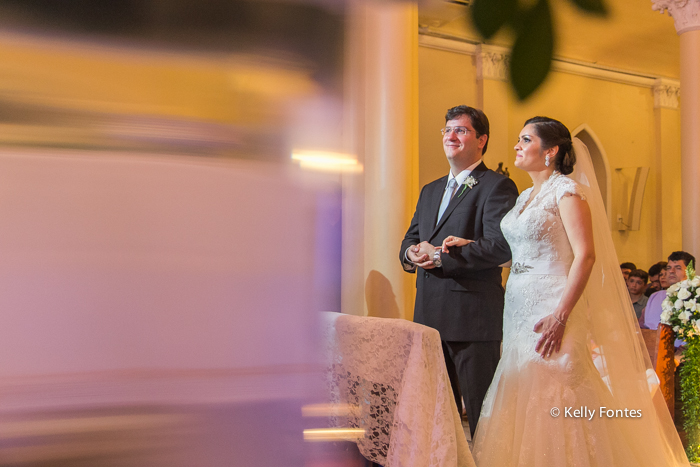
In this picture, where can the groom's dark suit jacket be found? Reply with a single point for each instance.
(463, 299)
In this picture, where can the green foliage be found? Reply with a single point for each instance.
(533, 49)
(490, 15)
(531, 57)
(690, 395)
(690, 270)
(592, 6)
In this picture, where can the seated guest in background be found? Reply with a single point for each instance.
(654, 272)
(663, 285)
(663, 278)
(626, 268)
(674, 272)
(636, 284)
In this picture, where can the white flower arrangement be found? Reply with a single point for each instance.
(681, 307)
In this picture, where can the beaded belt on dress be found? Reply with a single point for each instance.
(552, 268)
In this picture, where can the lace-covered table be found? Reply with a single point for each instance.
(391, 375)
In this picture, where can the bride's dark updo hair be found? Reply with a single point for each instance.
(554, 133)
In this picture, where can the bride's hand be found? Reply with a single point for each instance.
(552, 332)
(454, 241)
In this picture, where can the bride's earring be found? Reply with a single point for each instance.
(546, 161)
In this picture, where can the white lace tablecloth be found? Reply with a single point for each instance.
(391, 373)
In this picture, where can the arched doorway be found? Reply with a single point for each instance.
(600, 164)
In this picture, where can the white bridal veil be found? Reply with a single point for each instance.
(614, 330)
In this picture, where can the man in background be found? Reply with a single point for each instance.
(636, 285)
(675, 272)
(655, 272)
(626, 268)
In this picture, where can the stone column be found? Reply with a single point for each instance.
(686, 16)
(493, 97)
(666, 168)
(382, 129)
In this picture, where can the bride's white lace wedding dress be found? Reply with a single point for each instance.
(547, 411)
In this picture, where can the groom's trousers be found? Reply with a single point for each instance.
(471, 366)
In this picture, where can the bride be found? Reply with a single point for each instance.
(571, 388)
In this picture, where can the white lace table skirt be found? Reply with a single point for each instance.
(391, 373)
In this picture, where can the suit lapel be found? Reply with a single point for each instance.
(462, 192)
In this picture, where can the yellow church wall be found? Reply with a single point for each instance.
(622, 116)
(102, 78)
(445, 79)
(95, 80)
(631, 131)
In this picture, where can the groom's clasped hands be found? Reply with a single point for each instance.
(422, 254)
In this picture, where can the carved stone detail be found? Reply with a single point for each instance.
(666, 94)
(685, 13)
(492, 63)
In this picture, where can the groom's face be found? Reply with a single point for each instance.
(462, 150)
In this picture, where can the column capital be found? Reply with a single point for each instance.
(492, 62)
(685, 13)
(666, 93)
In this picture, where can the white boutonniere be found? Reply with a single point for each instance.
(470, 182)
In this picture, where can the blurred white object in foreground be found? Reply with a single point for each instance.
(156, 311)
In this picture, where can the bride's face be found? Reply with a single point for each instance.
(528, 151)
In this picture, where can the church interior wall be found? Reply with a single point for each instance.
(632, 132)
(444, 78)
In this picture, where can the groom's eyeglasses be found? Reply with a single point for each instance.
(459, 130)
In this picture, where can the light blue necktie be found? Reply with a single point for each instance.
(449, 191)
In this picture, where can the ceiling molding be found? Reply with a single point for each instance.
(448, 44)
(431, 40)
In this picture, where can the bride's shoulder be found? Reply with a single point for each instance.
(564, 186)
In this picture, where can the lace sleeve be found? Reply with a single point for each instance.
(568, 187)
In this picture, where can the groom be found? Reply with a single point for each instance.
(459, 293)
